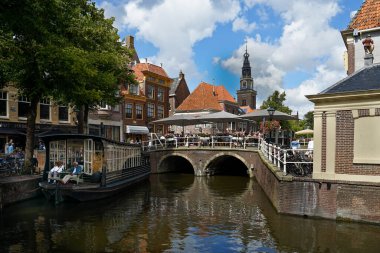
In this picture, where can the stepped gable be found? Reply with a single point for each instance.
(367, 17)
(206, 97)
(367, 78)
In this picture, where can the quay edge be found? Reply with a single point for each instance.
(18, 188)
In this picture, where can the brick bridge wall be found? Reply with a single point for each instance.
(299, 196)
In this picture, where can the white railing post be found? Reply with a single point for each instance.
(285, 161)
(279, 157)
(270, 152)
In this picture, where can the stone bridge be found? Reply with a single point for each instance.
(292, 195)
(201, 162)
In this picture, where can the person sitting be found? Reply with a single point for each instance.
(74, 174)
(54, 172)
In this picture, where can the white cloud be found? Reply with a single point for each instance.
(322, 79)
(174, 26)
(308, 43)
(216, 60)
(241, 23)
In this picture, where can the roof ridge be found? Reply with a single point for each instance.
(356, 14)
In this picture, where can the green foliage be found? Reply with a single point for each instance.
(276, 101)
(308, 120)
(64, 49)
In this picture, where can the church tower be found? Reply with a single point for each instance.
(246, 95)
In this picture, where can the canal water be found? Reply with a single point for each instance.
(178, 213)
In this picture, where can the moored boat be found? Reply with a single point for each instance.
(106, 167)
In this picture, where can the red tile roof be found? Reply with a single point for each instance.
(368, 16)
(140, 68)
(206, 97)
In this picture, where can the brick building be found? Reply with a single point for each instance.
(146, 101)
(13, 115)
(347, 114)
(179, 91)
(346, 135)
(365, 22)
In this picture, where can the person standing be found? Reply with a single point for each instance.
(10, 148)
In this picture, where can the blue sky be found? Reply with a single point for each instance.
(294, 45)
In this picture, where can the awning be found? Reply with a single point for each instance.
(136, 129)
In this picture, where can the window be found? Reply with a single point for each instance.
(128, 111)
(23, 106)
(150, 110)
(244, 102)
(63, 113)
(160, 112)
(45, 109)
(104, 106)
(133, 89)
(244, 84)
(150, 92)
(139, 112)
(161, 81)
(3, 103)
(160, 95)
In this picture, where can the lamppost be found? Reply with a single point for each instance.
(271, 111)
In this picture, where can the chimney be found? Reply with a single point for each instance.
(181, 75)
(368, 60)
(130, 42)
(213, 90)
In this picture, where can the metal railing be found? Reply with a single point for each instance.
(228, 142)
(297, 162)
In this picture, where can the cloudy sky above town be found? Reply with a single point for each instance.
(294, 45)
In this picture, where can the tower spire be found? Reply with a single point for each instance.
(246, 94)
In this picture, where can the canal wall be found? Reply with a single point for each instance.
(331, 199)
(18, 188)
(340, 200)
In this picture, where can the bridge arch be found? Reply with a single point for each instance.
(229, 160)
(175, 162)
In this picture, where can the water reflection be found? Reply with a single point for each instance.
(178, 213)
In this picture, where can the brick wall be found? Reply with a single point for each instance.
(344, 155)
(327, 199)
(344, 142)
(351, 58)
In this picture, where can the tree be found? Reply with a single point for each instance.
(46, 53)
(308, 120)
(276, 101)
